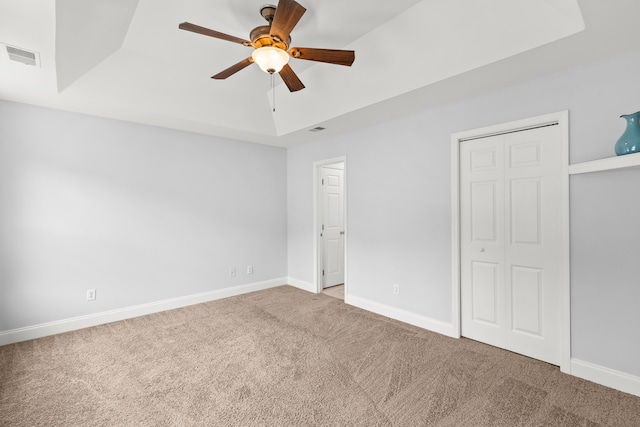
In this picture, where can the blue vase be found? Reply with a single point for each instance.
(629, 142)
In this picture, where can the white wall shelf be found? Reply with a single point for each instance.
(610, 163)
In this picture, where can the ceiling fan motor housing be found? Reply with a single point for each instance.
(261, 37)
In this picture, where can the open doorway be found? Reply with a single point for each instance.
(330, 224)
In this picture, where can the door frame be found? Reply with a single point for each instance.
(317, 223)
(560, 119)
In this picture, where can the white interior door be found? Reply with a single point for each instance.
(332, 232)
(510, 213)
(482, 245)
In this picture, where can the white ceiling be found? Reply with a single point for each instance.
(128, 60)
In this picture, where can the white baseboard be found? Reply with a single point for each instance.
(424, 322)
(300, 284)
(604, 376)
(80, 322)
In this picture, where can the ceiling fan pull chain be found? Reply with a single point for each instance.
(273, 89)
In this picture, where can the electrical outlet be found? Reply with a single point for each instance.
(249, 269)
(232, 272)
(91, 294)
(396, 289)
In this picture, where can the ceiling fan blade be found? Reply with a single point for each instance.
(330, 56)
(233, 69)
(211, 33)
(288, 13)
(291, 79)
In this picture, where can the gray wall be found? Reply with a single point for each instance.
(605, 252)
(399, 204)
(139, 213)
(144, 214)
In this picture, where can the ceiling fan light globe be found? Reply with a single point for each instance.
(270, 59)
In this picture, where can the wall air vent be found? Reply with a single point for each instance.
(23, 56)
(317, 129)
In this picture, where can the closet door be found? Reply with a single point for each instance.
(510, 251)
(482, 240)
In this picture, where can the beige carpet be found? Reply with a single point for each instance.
(284, 357)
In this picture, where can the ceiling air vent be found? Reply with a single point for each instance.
(317, 129)
(23, 56)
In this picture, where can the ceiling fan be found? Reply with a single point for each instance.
(271, 43)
